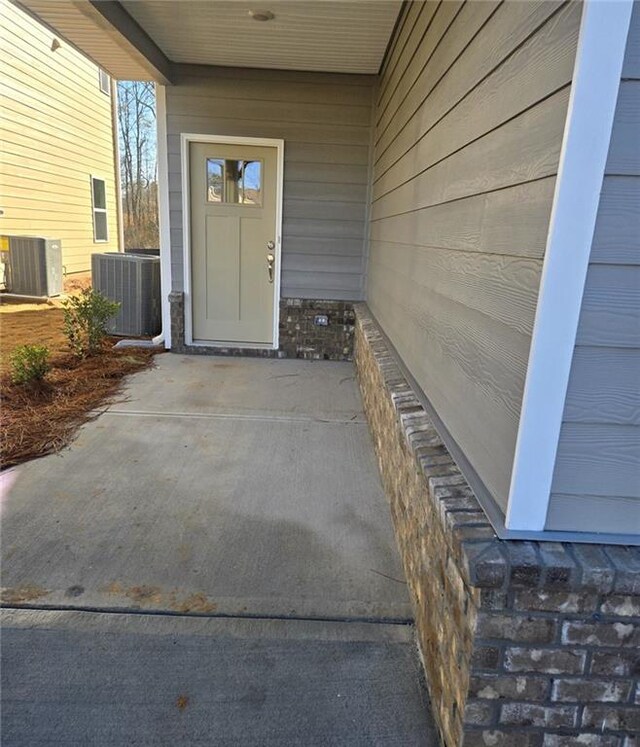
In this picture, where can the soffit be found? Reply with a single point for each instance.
(82, 25)
(326, 35)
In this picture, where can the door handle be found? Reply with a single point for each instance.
(270, 260)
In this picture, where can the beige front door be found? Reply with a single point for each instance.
(233, 242)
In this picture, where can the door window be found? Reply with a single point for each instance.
(234, 181)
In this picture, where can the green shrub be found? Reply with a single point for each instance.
(29, 363)
(85, 321)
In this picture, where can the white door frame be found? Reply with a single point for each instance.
(185, 140)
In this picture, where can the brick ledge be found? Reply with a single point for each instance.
(488, 561)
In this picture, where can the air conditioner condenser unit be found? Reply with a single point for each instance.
(32, 265)
(134, 282)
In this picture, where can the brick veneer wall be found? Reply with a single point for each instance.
(524, 644)
(299, 336)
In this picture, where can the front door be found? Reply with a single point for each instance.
(233, 242)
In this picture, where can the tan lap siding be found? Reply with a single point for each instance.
(470, 115)
(56, 132)
(325, 121)
(596, 484)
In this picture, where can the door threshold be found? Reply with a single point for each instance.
(229, 349)
(232, 345)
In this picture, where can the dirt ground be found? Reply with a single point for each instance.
(36, 324)
(24, 323)
(41, 418)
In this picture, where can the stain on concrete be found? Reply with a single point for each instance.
(74, 591)
(156, 597)
(145, 594)
(182, 701)
(22, 594)
(194, 603)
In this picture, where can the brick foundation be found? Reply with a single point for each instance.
(524, 644)
(299, 336)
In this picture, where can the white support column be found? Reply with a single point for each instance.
(596, 80)
(163, 212)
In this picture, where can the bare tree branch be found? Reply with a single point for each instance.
(138, 163)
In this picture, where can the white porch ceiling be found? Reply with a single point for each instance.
(345, 36)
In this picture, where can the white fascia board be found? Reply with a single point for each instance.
(163, 212)
(594, 92)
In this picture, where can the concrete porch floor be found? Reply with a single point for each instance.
(212, 558)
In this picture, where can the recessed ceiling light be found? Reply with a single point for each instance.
(261, 15)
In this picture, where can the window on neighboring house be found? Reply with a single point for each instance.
(99, 202)
(105, 82)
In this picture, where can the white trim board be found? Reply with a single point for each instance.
(594, 92)
(163, 212)
(185, 140)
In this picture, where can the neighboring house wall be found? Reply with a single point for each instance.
(596, 484)
(56, 132)
(325, 121)
(470, 117)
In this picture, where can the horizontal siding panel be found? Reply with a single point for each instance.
(311, 263)
(61, 107)
(37, 165)
(403, 126)
(610, 314)
(604, 386)
(48, 134)
(291, 290)
(203, 75)
(31, 187)
(36, 145)
(325, 246)
(292, 112)
(522, 150)
(330, 174)
(301, 133)
(411, 18)
(321, 210)
(511, 221)
(594, 513)
(323, 229)
(598, 459)
(416, 58)
(282, 91)
(472, 343)
(503, 288)
(616, 238)
(324, 281)
(67, 71)
(439, 354)
(631, 66)
(506, 29)
(537, 69)
(322, 192)
(624, 150)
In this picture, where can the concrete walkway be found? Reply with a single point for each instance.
(211, 561)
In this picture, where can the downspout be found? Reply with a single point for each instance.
(163, 216)
(116, 157)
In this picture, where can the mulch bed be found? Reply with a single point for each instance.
(40, 419)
